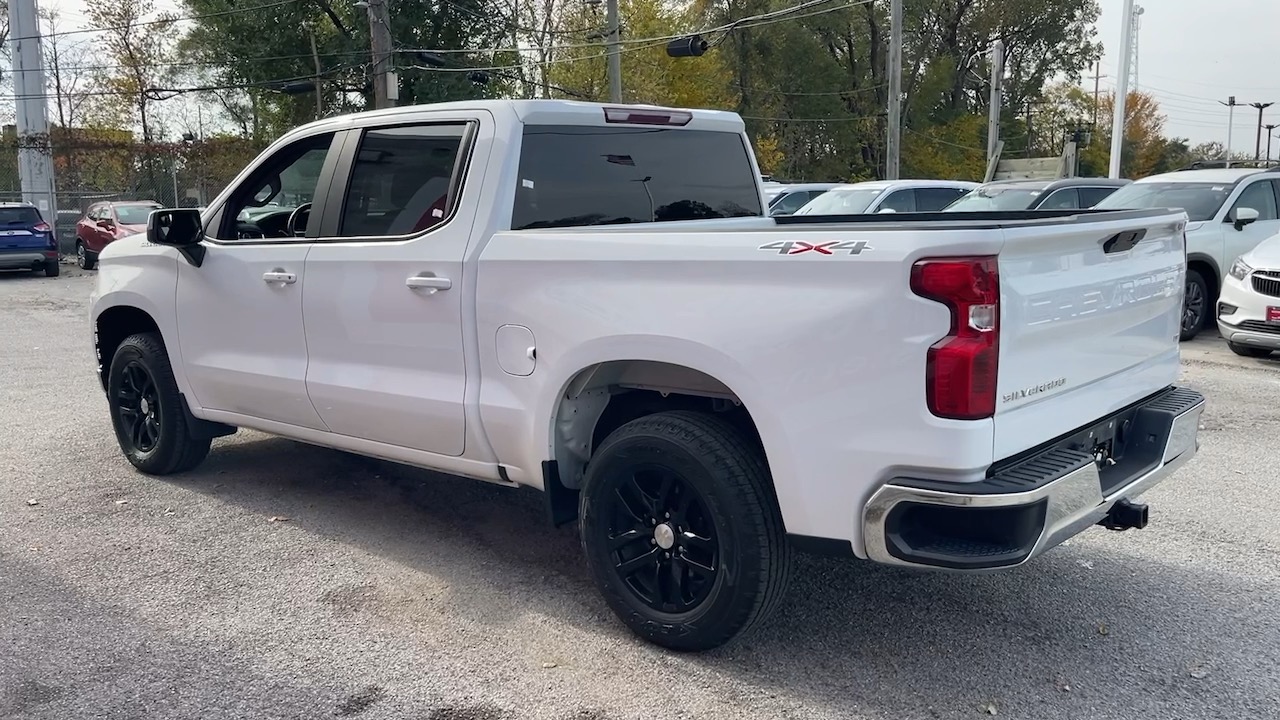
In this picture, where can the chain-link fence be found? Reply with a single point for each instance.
(100, 165)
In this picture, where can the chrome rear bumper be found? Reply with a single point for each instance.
(1030, 506)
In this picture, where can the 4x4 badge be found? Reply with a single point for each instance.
(797, 247)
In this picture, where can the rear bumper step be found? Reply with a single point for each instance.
(1024, 508)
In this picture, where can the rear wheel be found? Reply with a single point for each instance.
(85, 258)
(681, 530)
(1250, 352)
(52, 268)
(1195, 302)
(146, 409)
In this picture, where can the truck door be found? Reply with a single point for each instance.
(383, 308)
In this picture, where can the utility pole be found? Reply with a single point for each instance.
(1269, 129)
(1137, 27)
(1097, 92)
(386, 87)
(893, 141)
(315, 57)
(997, 91)
(614, 53)
(1257, 150)
(35, 155)
(1122, 90)
(1231, 122)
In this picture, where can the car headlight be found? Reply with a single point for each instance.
(1239, 270)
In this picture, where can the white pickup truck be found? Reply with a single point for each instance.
(589, 300)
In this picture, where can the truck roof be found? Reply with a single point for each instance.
(545, 112)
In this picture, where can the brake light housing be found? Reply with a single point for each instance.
(961, 369)
(647, 116)
(42, 226)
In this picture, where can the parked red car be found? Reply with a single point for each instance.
(107, 221)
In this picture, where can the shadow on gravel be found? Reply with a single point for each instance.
(1079, 633)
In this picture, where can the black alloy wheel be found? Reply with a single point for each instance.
(1194, 302)
(147, 411)
(682, 533)
(663, 540)
(138, 407)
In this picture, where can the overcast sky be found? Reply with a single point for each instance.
(1191, 54)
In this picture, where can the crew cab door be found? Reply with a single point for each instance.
(240, 312)
(1261, 196)
(385, 290)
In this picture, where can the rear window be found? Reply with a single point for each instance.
(575, 175)
(19, 216)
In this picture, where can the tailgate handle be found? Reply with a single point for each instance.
(1123, 241)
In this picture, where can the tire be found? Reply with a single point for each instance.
(1195, 305)
(707, 485)
(85, 258)
(52, 268)
(1249, 352)
(147, 411)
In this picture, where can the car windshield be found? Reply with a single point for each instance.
(19, 216)
(1199, 200)
(134, 214)
(995, 199)
(851, 201)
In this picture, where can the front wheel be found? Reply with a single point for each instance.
(681, 530)
(146, 409)
(1249, 352)
(1195, 302)
(85, 257)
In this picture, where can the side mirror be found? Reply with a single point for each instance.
(105, 224)
(179, 228)
(1244, 216)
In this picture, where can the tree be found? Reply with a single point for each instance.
(136, 42)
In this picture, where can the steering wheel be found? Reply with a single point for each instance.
(291, 227)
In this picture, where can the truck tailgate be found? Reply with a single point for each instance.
(1089, 323)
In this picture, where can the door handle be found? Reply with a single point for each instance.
(280, 276)
(430, 283)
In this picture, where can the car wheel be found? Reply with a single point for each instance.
(1194, 303)
(1250, 352)
(84, 258)
(146, 409)
(52, 268)
(681, 530)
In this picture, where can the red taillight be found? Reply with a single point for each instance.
(43, 227)
(960, 374)
(646, 116)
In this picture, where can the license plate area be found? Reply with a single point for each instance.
(1273, 314)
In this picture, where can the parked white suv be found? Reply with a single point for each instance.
(1230, 211)
(887, 196)
(589, 300)
(1249, 308)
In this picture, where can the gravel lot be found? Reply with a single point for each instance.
(284, 581)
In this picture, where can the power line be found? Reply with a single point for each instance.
(158, 21)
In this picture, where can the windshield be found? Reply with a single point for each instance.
(1200, 200)
(134, 214)
(853, 201)
(994, 199)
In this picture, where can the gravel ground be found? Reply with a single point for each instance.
(285, 581)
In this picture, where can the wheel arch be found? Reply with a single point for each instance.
(605, 394)
(113, 324)
(1209, 270)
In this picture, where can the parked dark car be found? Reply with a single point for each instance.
(108, 221)
(26, 240)
(1064, 194)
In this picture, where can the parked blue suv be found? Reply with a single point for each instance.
(26, 240)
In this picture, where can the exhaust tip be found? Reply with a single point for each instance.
(1125, 515)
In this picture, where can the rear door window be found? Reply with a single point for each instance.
(935, 199)
(577, 175)
(903, 201)
(1064, 199)
(1090, 196)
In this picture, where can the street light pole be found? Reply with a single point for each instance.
(1269, 129)
(1231, 122)
(1257, 150)
(1122, 90)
